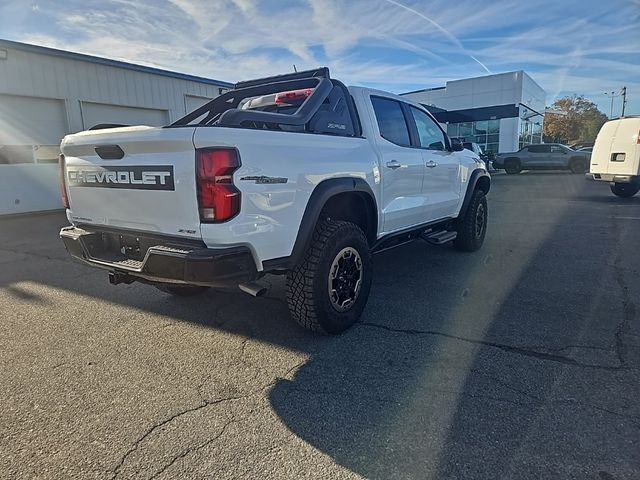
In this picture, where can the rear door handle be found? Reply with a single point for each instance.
(393, 164)
(431, 164)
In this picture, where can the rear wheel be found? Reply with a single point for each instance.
(625, 190)
(579, 165)
(182, 290)
(512, 166)
(328, 290)
(472, 227)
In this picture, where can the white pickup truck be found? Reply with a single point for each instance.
(294, 174)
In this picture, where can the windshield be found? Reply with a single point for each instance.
(319, 239)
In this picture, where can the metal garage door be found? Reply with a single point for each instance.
(97, 113)
(192, 102)
(30, 128)
(26, 121)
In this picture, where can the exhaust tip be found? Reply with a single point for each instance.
(254, 289)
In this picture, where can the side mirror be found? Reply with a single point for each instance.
(456, 145)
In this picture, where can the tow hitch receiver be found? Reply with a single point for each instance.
(116, 278)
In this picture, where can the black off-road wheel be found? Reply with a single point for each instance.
(625, 190)
(328, 290)
(472, 227)
(579, 165)
(181, 290)
(512, 166)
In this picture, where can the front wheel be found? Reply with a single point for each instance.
(328, 290)
(472, 227)
(624, 190)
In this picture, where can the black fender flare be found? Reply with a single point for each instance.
(318, 199)
(479, 178)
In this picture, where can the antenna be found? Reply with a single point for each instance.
(294, 68)
(624, 99)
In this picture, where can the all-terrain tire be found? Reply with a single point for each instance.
(181, 290)
(624, 190)
(512, 166)
(472, 227)
(309, 297)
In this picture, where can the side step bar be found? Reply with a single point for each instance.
(439, 237)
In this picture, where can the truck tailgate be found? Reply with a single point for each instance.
(139, 178)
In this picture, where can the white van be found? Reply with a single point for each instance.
(616, 156)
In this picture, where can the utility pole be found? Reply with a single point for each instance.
(624, 99)
(612, 95)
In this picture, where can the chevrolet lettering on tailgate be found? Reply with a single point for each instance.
(153, 177)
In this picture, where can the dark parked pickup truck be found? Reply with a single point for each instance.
(545, 156)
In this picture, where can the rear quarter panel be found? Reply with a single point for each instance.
(271, 213)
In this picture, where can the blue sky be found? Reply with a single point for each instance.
(568, 47)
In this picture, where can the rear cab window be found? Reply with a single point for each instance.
(391, 121)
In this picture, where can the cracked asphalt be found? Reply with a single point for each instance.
(518, 361)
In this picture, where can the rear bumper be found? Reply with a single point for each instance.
(170, 260)
(612, 178)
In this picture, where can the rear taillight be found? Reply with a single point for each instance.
(638, 139)
(218, 197)
(293, 96)
(63, 183)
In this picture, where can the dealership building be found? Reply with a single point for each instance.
(499, 112)
(47, 93)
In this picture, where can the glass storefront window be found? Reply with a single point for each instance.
(530, 131)
(480, 128)
(465, 129)
(491, 147)
(486, 133)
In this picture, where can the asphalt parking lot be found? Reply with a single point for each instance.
(518, 361)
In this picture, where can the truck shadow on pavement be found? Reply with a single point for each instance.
(491, 365)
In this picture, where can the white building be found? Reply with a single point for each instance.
(500, 112)
(47, 93)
